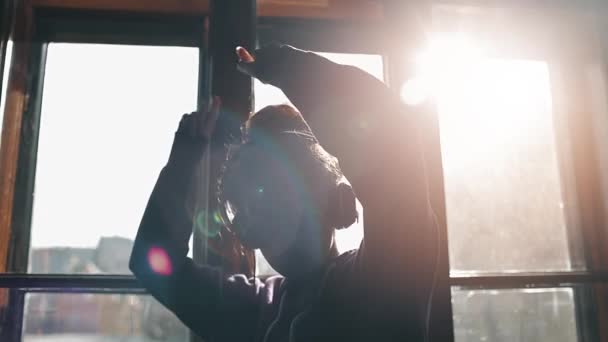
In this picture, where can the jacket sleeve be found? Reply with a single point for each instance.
(203, 297)
(376, 139)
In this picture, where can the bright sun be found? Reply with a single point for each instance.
(479, 99)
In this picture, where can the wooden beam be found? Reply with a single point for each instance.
(330, 9)
(138, 6)
(335, 9)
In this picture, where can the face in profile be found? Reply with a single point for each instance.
(263, 200)
(276, 191)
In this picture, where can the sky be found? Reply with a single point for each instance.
(107, 123)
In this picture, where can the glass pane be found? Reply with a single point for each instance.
(346, 239)
(70, 317)
(514, 315)
(108, 117)
(503, 193)
(504, 190)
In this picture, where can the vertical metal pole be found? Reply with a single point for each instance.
(231, 23)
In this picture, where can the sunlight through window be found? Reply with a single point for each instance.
(108, 117)
(504, 201)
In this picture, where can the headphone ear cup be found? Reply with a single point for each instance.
(342, 211)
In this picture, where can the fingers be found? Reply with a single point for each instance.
(201, 124)
(184, 123)
(193, 125)
(246, 63)
(244, 55)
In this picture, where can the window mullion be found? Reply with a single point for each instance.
(529, 280)
(13, 316)
(83, 283)
(234, 26)
(26, 165)
(229, 26)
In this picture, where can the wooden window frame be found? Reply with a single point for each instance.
(73, 21)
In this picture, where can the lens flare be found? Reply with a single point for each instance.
(159, 261)
(209, 228)
(217, 218)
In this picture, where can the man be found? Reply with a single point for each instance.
(284, 193)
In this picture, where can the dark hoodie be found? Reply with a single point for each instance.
(378, 292)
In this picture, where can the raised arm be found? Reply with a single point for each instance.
(355, 116)
(202, 297)
(377, 141)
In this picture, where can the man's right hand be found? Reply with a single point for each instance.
(194, 132)
(263, 62)
(246, 61)
(200, 125)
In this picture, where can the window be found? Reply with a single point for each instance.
(346, 239)
(506, 207)
(512, 206)
(504, 200)
(514, 315)
(107, 122)
(522, 126)
(99, 317)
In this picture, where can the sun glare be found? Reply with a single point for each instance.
(455, 69)
(477, 97)
(499, 152)
(447, 59)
